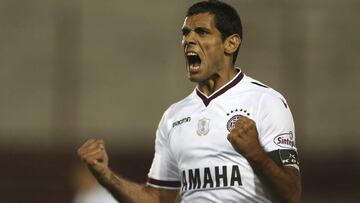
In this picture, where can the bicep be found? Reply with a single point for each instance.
(167, 196)
(161, 195)
(164, 195)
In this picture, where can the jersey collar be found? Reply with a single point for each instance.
(207, 99)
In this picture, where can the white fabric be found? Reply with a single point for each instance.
(180, 149)
(97, 194)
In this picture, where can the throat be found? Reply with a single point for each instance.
(208, 87)
(215, 82)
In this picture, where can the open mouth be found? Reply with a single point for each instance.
(193, 60)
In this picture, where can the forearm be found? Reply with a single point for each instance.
(283, 182)
(127, 191)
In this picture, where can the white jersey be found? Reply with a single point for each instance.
(95, 194)
(192, 152)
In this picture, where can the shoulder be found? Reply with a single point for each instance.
(182, 104)
(175, 112)
(265, 93)
(272, 108)
(178, 108)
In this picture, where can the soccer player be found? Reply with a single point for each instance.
(231, 140)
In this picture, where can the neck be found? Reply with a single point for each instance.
(217, 81)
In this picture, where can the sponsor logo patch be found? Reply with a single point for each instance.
(285, 140)
(211, 177)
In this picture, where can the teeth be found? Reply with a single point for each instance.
(191, 54)
(193, 67)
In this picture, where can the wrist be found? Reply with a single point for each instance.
(256, 156)
(105, 177)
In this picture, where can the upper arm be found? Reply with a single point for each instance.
(275, 124)
(164, 171)
(277, 136)
(162, 195)
(163, 177)
(168, 196)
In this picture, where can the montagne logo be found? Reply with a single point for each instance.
(181, 121)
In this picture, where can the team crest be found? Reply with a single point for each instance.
(237, 113)
(231, 123)
(203, 127)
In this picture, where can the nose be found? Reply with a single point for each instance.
(189, 38)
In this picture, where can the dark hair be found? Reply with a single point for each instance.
(226, 18)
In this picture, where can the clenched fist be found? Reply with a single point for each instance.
(245, 139)
(93, 153)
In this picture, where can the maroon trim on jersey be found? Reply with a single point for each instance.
(163, 183)
(221, 91)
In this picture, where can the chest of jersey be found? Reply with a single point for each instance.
(198, 142)
(200, 131)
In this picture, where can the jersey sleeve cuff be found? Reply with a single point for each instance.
(166, 184)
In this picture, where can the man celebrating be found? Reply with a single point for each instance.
(231, 140)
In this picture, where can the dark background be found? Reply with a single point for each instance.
(71, 70)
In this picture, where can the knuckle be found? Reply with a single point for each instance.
(101, 142)
(240, 130)
(98, 141)
(252, 122)
(237, 126)
(238, 121)
(91, 140)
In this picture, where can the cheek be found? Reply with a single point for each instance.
(215, 48)
(216, 53)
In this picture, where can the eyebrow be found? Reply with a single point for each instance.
(186, 29)
(202, 29)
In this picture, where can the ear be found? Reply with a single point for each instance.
(232, 43)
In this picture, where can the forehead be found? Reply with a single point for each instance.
(206, 20)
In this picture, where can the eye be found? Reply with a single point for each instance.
(202, 31)
(185, 32)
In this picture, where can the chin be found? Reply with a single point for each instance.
(194, 78)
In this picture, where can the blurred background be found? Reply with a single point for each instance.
(71, 70)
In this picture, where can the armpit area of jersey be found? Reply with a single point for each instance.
(285, 157)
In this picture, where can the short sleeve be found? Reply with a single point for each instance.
(275, 123)
(164, 172)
